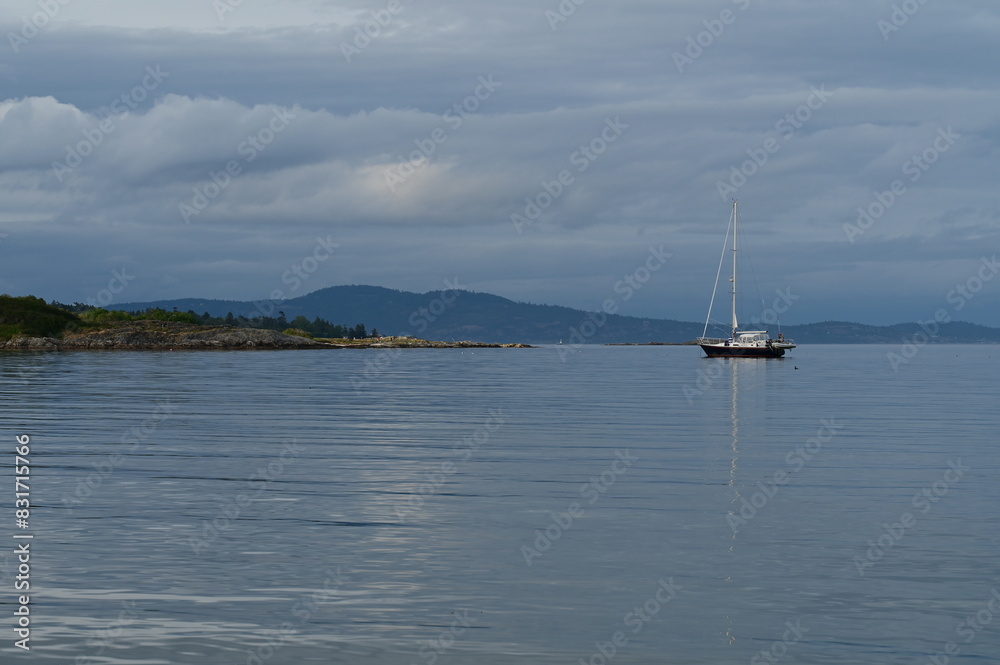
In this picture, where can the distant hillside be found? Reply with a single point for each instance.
(459, 315)
(482, 317)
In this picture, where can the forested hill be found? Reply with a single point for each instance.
(482, 317)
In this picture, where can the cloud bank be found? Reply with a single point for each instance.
(533, 150)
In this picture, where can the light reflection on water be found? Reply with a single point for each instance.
(343, 509)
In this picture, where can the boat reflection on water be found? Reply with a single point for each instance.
(747, 384)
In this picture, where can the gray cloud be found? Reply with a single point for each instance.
(314, 141)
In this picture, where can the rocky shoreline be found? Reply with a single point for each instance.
(173, 336)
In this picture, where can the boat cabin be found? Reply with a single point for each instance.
(752, 338)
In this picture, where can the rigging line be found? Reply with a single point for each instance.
(715, 288)
(753, 274)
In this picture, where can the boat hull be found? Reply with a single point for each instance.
(720, 351)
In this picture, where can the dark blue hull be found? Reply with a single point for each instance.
(742, 352)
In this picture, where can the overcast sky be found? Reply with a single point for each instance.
(199, 148)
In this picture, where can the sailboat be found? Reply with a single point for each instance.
(740, 343)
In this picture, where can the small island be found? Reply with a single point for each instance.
(29, 323)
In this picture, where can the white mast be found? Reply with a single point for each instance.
(733, 280)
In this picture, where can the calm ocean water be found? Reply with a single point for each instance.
(609, 504)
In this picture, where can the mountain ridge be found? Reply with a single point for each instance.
(484, 317)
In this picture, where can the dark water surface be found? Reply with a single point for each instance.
(610, 504)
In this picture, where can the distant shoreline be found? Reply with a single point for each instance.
(149, 335)
(651, 344)
(485, 316)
